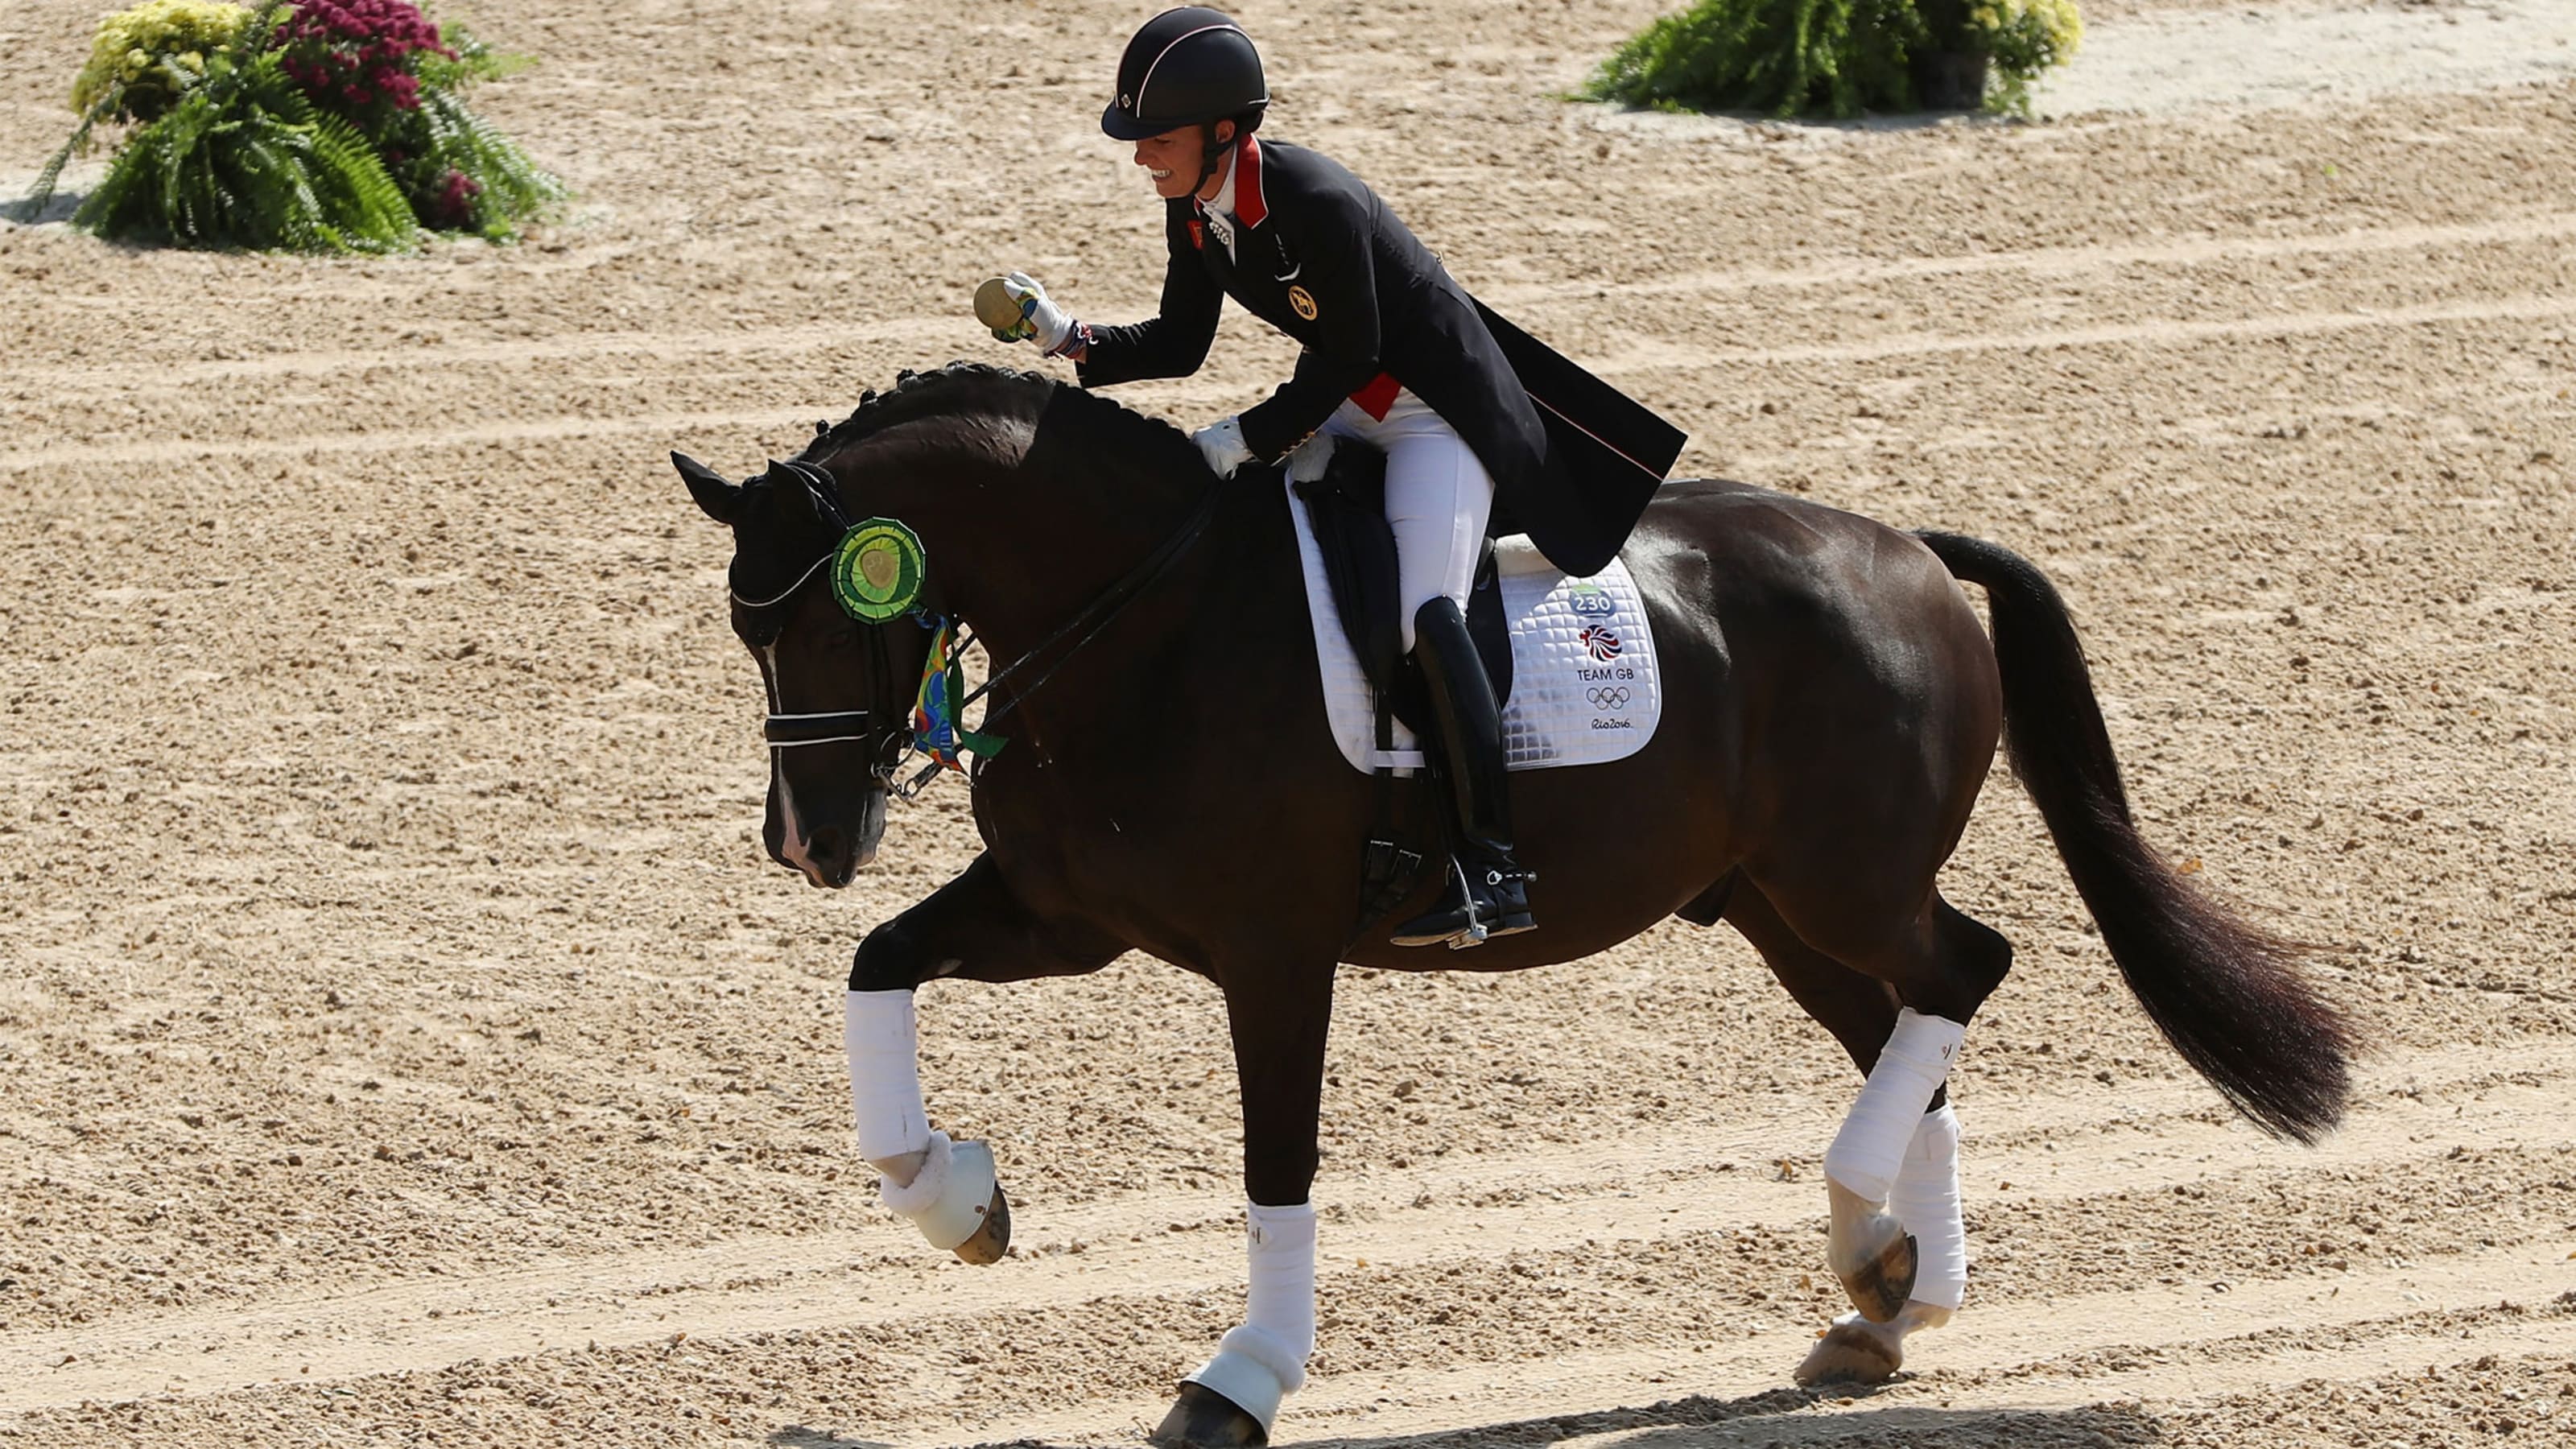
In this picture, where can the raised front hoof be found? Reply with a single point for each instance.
(1202, 1418)
(1880, 1286)
(992, 1241)
(1853, 1353)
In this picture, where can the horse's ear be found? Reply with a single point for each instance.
(718, 499)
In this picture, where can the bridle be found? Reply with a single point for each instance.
(890, 748)
(783, 731)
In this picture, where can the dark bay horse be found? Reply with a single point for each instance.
(1170, 786)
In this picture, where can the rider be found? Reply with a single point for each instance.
(1396, 353)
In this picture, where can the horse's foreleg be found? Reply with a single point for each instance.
(1279, 1023)
(970, 927)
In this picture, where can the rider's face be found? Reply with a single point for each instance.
(1173, 158)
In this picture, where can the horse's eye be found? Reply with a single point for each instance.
(844, 637)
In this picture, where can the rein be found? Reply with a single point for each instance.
(785, 731)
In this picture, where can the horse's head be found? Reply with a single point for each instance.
(826, 609)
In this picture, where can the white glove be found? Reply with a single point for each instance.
(1308, 460)
(1221, 443)
(1040, 318)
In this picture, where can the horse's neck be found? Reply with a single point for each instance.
(1176, 639)
(1046, 549)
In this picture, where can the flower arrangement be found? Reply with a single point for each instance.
(1834, 58)
(308, 125)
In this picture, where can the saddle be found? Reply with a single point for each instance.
(1348, 509)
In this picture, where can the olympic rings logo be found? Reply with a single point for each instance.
(1607, 698)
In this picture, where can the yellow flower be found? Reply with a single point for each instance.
(121, 61)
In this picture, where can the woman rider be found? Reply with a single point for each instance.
(1397, 354)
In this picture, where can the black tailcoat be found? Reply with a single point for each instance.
(1318, 256)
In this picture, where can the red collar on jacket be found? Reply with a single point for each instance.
(1249, 208)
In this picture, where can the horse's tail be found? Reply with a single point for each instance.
(2225, 992)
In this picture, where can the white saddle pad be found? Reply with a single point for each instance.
(1584, 689)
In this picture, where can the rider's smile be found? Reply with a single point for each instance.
(1174, 157)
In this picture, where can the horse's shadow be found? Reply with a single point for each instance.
(1784, 1417)
(797, 1436)
(1787, 1417)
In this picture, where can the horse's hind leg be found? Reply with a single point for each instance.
(1861, 1013)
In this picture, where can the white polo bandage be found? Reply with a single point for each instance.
(1925, 1197)
(1871, 1145)
(949, 1197)
(885, 1079)
(1264, 1360)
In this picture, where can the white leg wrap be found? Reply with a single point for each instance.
(1871, 1146)
(1926, 1199)
(1264, 1360)
(948, 1198)
(885, 1080)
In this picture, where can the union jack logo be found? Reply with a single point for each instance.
(1600, 642)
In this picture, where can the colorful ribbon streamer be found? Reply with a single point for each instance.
(936, 729)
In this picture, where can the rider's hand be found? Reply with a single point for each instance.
(1039, 318)
(1221, 443)
(1308, 460)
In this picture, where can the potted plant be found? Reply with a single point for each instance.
(320, 125)
(1840, 58)
(1984, 54)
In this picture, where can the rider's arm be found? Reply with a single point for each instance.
(1342, 355)
(1171, 344)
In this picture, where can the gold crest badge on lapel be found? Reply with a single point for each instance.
(1303, 301)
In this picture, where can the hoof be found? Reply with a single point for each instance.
(1202, 1418)
(1853, 1352)
(1879, 1287)
(993, 1240)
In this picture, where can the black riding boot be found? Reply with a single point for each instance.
(1486, 895)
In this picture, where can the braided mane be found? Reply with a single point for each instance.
(983, 387)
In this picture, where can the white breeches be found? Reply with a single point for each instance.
(1438, 497)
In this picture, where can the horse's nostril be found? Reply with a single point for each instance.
(828, 847)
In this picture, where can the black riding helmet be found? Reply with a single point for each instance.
(1187, 67)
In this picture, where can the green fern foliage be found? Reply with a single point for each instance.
(1784, 57)
(246, 161)
(464, 175)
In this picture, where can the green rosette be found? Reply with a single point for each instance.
(877, 574)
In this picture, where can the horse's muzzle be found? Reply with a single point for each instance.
(830, 854)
